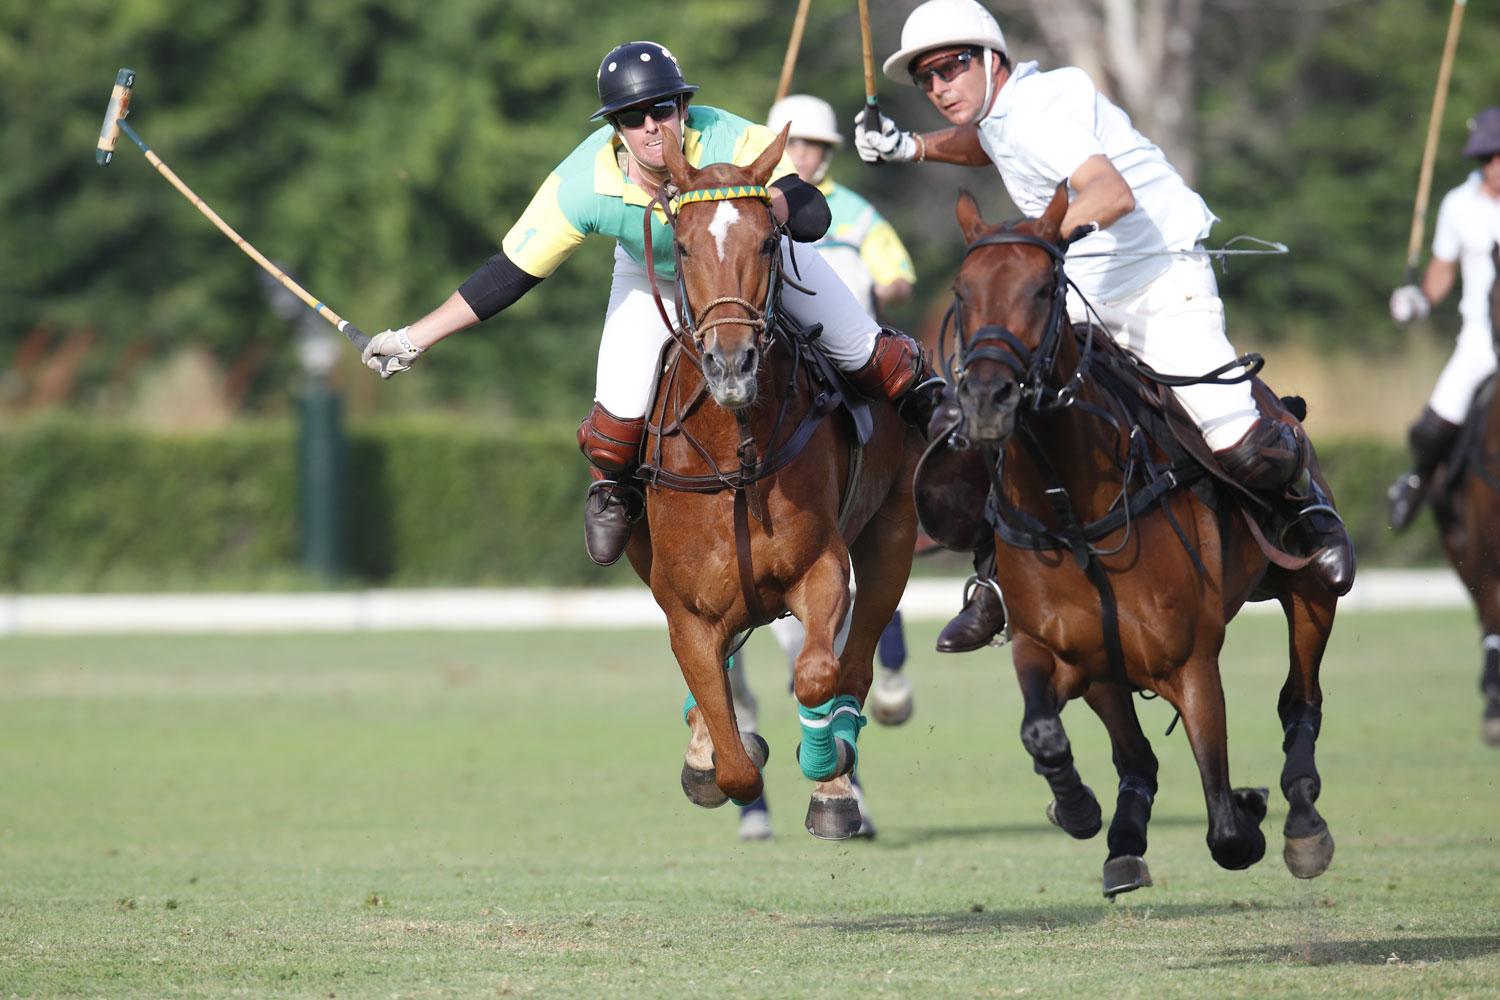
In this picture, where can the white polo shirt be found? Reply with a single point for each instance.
(1039, 131)
(1468, 224)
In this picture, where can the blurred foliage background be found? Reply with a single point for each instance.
(378, 149)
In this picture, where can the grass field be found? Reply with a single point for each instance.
(494, 815)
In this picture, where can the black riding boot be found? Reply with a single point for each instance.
(1269, 460)
(1430, 438)
(610, 512)
(982, 617)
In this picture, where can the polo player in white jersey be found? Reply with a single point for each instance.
(1468, 227)
(1159, 300)
(604, 187)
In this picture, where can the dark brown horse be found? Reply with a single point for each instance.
(1116, 578)
(758, 501)
(1467, 505)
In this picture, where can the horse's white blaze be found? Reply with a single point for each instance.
(725, 216)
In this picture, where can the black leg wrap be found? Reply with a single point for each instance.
(1489, 679)
(1299, 746)
(1127, 831)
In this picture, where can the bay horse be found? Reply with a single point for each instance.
(1466, 503)
(758, 500)
(1115, 577)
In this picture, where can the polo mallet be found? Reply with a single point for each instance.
(871, 120)
(1429, 154)
(793, 46)
(114, 124)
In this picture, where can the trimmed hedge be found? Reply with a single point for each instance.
(84, 507)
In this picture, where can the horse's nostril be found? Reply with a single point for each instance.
(747, 363)
(714, 365)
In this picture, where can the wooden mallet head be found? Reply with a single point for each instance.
(119, 107)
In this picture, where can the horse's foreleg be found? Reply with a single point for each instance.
(882, 557)
(1234, 837)
(1125, 869)
(828, 712)
(1074, 806)
(1309, 610)
(699, 648)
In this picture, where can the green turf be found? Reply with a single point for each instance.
(483, 815)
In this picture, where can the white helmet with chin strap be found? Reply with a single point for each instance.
(942, 24)
(812, 119)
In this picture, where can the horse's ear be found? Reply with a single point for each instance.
(677, 165)
(970, 221)
(765, 163)
(1052, 218)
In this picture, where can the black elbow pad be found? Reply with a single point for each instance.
(808, 217)
(496, 285)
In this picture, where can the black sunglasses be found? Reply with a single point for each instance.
(949, 69)
(636, 117)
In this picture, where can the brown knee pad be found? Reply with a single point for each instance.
(610, 443)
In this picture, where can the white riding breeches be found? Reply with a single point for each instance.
(634, 333)
(1175, 324)
(1472, 361)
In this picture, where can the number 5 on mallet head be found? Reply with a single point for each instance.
(114, 124)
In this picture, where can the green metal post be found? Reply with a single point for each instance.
(320, 482)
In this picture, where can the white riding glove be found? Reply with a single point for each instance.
(390, 352)
(892, 143)
(1408, 303)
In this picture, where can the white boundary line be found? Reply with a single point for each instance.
(497, 609)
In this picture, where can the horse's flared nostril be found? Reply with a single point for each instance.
(748, 361)
(713, 365)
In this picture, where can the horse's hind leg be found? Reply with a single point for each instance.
(1074, 806)
(1309, 612)
(1234, 836)
(1125, 869)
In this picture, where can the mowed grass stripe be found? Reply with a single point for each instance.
(465, 815)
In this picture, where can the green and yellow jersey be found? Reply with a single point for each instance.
(859, 227)
(589, 192)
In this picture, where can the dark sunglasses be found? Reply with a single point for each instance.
(636, 117)
(949, 69)
(1484, 160)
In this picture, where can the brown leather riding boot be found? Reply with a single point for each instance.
(982, 617)
(1430, 439)
(1269, 460)
(612, 445)
(898, 371)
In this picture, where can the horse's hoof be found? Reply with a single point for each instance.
(1308, 857)
(833, 819)
(890, 698)
(1490, 732)
(1126, 873)
(702, 788)
(1091, 825)
(1253, 801)
(758, 749)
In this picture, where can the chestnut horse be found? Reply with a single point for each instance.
(757, 500)
(1467, 505)
(1116, 579)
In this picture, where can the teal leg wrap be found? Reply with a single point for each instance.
(838, 718)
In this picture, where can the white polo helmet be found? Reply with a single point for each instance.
(812, 118)
(941, 24)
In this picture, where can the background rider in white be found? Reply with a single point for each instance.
(1468, 226)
